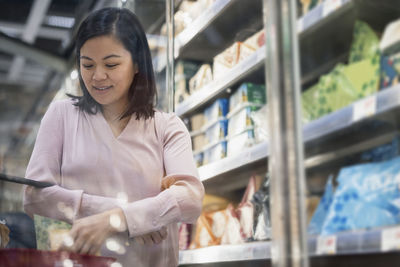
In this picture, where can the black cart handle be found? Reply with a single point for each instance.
(20, 180)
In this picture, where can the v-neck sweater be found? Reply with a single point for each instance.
(148, 171)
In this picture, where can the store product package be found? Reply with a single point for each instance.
(236, 144)
(198, 158)
(257, 40)
(241, 119)
(50, 233)
(247, 93)
(260, 120)
(4, 234)
(233, 233)
(216, 132)
(245, 210)
(214, 152)
(320, 214)
(346, 83)
(204, 236)
(383, 152)
(390, 71)
(199, 141)
(231, 56)
(390, 41)
(197, 122)
(202, 77)
(307, 5)
(217, 110)
(184, 70)
(184, 236)
(262, 222)
(367, 195)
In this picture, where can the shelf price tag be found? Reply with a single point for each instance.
(326, 245)
(364, 108)
(300, 25)
(390, 239)
(329, 6)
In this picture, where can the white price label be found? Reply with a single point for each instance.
(329, 6)
(364, 108)
(300, 25)
(390, 239)
(326, 245)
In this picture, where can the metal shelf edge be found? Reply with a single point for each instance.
(362, 241)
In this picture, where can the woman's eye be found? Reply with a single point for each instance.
(111, 65)
(87, 66)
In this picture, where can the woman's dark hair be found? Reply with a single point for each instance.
(125, 26)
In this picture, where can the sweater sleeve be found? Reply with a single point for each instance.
(181, 199)
(45, 165)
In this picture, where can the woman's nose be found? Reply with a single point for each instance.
(99, 74)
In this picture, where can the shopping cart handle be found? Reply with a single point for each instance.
(20, 180)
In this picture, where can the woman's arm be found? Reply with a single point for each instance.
(182, 198)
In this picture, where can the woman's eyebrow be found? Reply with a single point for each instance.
(106, 57)
(113, 55)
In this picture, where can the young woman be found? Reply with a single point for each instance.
(124, 172)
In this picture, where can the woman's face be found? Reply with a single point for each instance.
(107, 71)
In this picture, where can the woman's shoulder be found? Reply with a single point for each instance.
(169, 122)
(64, 106)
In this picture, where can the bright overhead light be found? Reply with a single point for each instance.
(74, 74)
(60, 21)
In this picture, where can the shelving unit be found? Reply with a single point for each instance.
(325, 35)
(375, 241)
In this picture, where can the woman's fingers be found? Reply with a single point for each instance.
(147, 239)
(156, 237)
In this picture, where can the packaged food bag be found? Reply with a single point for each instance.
(216, 132)
(232, 233)
(247, 93)
(184, 236)
(245, 210)
(4, 234)
(365, 42)
(390, 71)
(318, 218)
(262, 220)
(217, 110)
(368, 195)
(50, 233)
(204, 236)
(215, 152)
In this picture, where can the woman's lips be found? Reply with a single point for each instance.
(102, 88)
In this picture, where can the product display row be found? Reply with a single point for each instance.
(347, 83)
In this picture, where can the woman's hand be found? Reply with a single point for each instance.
(152, 238)
(88, 234)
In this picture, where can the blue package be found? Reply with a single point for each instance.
(318, 218)
(368, 195)
(383, 152)
(219, 109)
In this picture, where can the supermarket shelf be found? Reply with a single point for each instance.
(346, 243)
(250, 155)
(218, 86)
(346, 117)
(212, 32)
(226, 253)
(340, 16)
(208, 92)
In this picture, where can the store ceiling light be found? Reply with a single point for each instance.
(60, 21)
(74, 74)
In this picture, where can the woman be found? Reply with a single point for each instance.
(125, 173)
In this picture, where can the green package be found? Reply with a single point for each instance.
(346, 83)
(44, 226)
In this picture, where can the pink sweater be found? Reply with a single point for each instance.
(148, 171)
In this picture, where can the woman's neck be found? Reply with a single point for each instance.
(113, 114)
